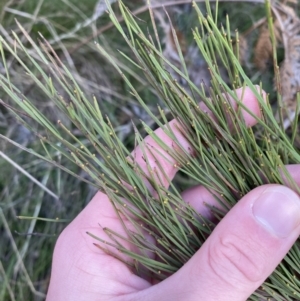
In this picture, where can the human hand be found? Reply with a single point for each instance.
(234, 261)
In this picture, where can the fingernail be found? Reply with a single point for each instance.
(278, 209)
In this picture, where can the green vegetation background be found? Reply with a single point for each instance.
(25, 260)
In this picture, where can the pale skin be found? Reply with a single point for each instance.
(239, 255)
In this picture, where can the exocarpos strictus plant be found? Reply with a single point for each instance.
(226, 156)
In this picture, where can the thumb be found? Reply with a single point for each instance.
(242, 251)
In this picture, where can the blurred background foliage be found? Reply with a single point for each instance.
(31, 187)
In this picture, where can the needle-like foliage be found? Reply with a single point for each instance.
(227, 157)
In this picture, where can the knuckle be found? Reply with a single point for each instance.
(232, 258)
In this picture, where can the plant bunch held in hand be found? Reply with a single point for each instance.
(211, 142)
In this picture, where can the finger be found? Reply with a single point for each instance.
(201, 200)
(162, 163)
(242, 251)
(294, 171)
